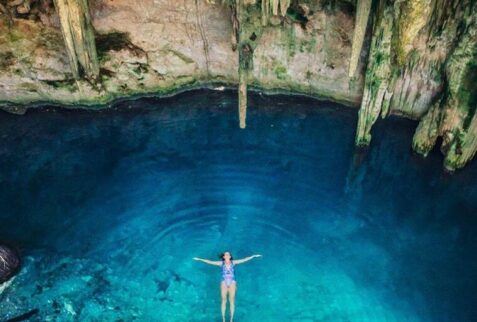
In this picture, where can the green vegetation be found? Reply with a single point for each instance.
(468, 93)
(280, 71)
(69, 84)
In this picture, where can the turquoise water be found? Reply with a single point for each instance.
(108, 209)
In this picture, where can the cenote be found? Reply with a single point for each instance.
(109, 207)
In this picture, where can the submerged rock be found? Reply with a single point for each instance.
(9, 263)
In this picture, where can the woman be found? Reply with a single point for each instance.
(228, 283)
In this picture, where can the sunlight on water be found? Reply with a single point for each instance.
(108, 209)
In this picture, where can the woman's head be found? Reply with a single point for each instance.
(226, 256)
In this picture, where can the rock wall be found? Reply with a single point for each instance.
(160, 46)
(422, 64)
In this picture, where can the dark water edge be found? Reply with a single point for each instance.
(386, 225)
(21, 109)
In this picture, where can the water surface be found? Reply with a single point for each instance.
(109, 207)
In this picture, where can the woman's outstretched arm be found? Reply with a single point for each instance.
(216, 263)
(246, 259)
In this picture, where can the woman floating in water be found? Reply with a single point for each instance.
(228, 283)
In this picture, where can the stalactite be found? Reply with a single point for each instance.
(274, 4)
(427, 131)
(265, 11)
(79, 38)
(390, 84)
(248, 22)
(274, 7)
(284, 4)
(363, 8)
(454, 118)
(460, 124)
(245, 65)
(378, 76)
(464, 148)
(242, 98)
(245, 62)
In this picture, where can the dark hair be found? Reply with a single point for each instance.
(221, 255)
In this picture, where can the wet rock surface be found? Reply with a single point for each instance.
(9, 263)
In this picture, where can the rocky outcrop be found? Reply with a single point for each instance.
(376, 97)
(453, 116)
(422, 64)
(9, 263)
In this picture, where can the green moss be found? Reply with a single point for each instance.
(281, 72)
(14, 35)
(411, 17)
(291, 40)
(311, 45)
(468, 94)
(141, 68)
(103, 57)
(69, 85)
(436, 73)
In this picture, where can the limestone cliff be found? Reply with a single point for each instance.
(159, 46)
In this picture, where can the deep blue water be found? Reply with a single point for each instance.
(109, 207)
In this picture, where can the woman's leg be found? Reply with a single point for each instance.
(223, 293)
(232, 289)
